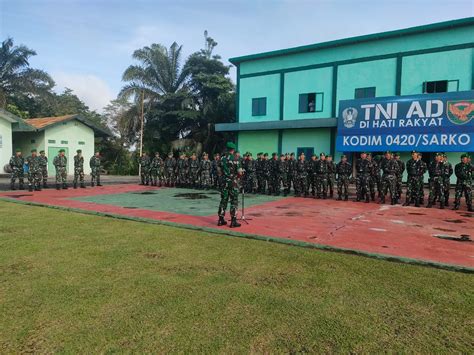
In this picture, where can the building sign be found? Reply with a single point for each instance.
(427, 122)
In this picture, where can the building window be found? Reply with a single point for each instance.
(81, 143)
(364, 93)
(64, 142)
(51, 141)
(33, 141)
(431, 87)
(259, 106)
(308, 151)
(311, 102)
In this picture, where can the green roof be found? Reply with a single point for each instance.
(354, 40)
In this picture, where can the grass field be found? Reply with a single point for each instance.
(79, 283)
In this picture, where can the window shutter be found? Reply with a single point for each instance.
(303, 104)
(263, 106)
(254, 107)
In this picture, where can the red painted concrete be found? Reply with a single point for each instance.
(391, 230)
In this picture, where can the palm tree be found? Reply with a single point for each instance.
(16, 77)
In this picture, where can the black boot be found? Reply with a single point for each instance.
(234, 223)
(346, 198)
(74, 185)
(12, 187)
(92, 184)
(58, 187)
(456, 207)
(407, 203)
(429, 205)
(30, 188)
(367, 199)
(339, 198)
(64, 186)
(441, 206)
(21, 187)
(83, 186)
(99, 184)
(382, 200)
(394, 201)
(221, 221)
(372, 196)
(469, 208)
(45, 185)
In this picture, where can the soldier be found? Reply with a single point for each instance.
(170, 170)
(415, 171)
(194, 171)
(389, 178)
(34, 171)
(312, 174)
(267, 173)
(144, 169)
(291, 172)
(282, 175)
(374, 168)
(376, 176)
(250, 176)
(181, 170)
(401, 170)
(301, 176)
(331, 177)
(436, 171)
(214, 164)
(448, 171)
(205, 170)
(363, 169)
(187, 178)
(344, 171)
(16, 165)
(274, 178)
(464, 172)
(44, 168)
(79, 169)
(156, 170)
(95, 165)
(60, 164)
(322, 177)
(424, 168)
(231, 171)
(260, 169)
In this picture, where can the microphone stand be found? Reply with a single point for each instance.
(242, 217)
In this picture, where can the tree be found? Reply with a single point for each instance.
(16, 77)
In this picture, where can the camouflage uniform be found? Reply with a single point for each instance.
(44, 169)
(214, 172)
(181, 172)
(322, 179)
(283, 170)
(422, 191)
(274, 175)
(448, 171)
(374, 174)
(389, 179)
(78, 171)
(363, 169)
(230, 188)
(205, 169)
(16, 164)
(156, 170)
(291, 173)
(194, 173)
(60, 164)
(145, 169)
(436, 185)
(250, 176)
(331, 177)
(401, 170)
(344, 172)
(301, 186)
(34, 173)
(464, 173)
(170, 170)
(415, 173)
(312, 175)
(267, 166)
(95, 165)
(260, 169)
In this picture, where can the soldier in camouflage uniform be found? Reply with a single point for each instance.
(415, 173)
(436, 170)
(274, 178)
(267, 173)
(250, 176)
(95, 165)
(60, 164)
(156, 170)
(389, 178)
(291, 172)
(425, 169)
(376, 175)
(44, 168)
(214, 164)
(283, 175)
(34, 171)
(194, 171)
(259, 168)
(401, 170)
(301, 168)
(344, 172)
(205, 169)
(363, 169)
(16, 165)
(374, 168)
(145, 163)
(78, 169)
(170, 170)
(448, 171)
(181, 171)
(231, 171)
(312, 174)
(464, 172)
(331, 177)
(322, 177)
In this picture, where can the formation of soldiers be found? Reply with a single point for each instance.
(36, 169)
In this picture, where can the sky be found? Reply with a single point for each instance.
(86, 45)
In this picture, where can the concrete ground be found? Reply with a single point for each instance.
(434, 237)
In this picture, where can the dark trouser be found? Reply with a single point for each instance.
(343, 186)
(436, 190)
(413, 189)
(228, 193)
(389, 184)
(463, 188)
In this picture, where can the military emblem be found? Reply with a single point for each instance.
(349, 116)
(460, 112)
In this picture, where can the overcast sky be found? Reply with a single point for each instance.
(86, 45)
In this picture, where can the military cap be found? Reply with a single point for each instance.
(445, 155)
(79, 151)
(465, 155)
(322, 153)
(237, 151)
(61, 150)
(231, 145)
(314, 155)
(260, 153)
(203, 154)
(343, 156)
(17, 150)
(363, 153)
(274, 154)
(414, 152)
(33, 150)
(369, 153)
(439, 154)
(265, 154)
(249, 154)
(388, 152)
(329, 156)
(170, 153)
(292, 154)
(41, 151)
(397, 154)
(282, 155)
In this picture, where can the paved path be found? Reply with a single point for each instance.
(403, 233)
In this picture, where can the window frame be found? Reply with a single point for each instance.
(425, 85)
(317, 94)
(365, 92)
(257, 106)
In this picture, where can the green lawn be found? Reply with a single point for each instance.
(79, 283)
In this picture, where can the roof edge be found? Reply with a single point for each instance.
(358, 39)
